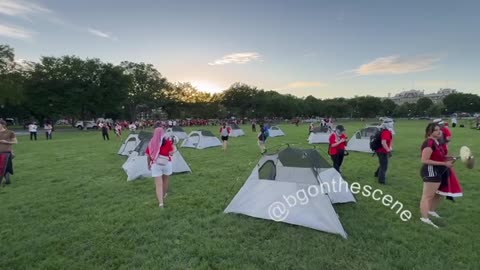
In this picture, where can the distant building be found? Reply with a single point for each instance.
(412, 96)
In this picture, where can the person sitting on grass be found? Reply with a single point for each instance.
(434, 172)
(159, 160)
(7, 139)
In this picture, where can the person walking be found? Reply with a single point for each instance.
(384, 153)
(118, 131)
(225, 133)
(337, 144)
(32, 128)
(159, 160)
(7, 140)
(434, 172)
(262, 137)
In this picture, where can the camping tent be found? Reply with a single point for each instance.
(275, 131)
(236, 131)
(319, 135)
(136, 165)
(360, 141)
(130, 143)
(176, 131)
(288, 173)
(201, 139)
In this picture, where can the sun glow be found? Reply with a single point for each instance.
(206, 86)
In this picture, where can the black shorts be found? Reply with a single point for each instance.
(224, 138)
(435, 174)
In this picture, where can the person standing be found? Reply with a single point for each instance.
(262, 137)
(254, 126)
(159, 160)
(225, 133)
(453, 189)
(48, 130)
(384, 153)
(7, 140)
(32, 128)
(446, 135)
(105, 130)
(337, 144)
(434, 172)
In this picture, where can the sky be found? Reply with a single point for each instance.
(321, 48)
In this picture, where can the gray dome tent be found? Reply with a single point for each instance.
(136, 165)
(287, 173)
(360, 142)
(201, 139)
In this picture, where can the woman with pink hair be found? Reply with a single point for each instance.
(159, 157)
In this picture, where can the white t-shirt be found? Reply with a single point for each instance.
(454, 120)
(132, 127)
(174, 123)
(32, 128)
(169, 122)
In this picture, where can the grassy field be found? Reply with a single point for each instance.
(70, 206)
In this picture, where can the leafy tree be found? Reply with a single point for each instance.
(388, 107)
(460, 102)
(423, 105)
(147, 87)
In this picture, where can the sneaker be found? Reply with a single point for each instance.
(165, 196)
(429, 222)
(160, 205)
(434, 214)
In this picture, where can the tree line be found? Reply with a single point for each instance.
(75, 88)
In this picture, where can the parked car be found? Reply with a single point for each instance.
(62, 122)
(86, 125)
(10, 121)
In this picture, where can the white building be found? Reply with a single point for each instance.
(412, 96)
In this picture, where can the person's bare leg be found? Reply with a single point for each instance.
(437, 199)
(159, 190)
(165, 185)
(429, 191)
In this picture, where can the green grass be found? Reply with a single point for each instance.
(70, 207)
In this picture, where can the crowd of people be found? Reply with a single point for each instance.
(436, 171)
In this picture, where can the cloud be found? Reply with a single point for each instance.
(14, 32)
(397, 65)
(236, 58)
(306, 84)
(101, 34)
(21, 8)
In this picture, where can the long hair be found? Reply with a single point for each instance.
(430, 129)
(155, 143)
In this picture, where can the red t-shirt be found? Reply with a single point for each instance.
(437, 150)
(387, 136)
(164, 149)
(333, 139)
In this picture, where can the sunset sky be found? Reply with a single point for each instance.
(323, 48)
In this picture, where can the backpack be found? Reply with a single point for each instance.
(376, 140)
